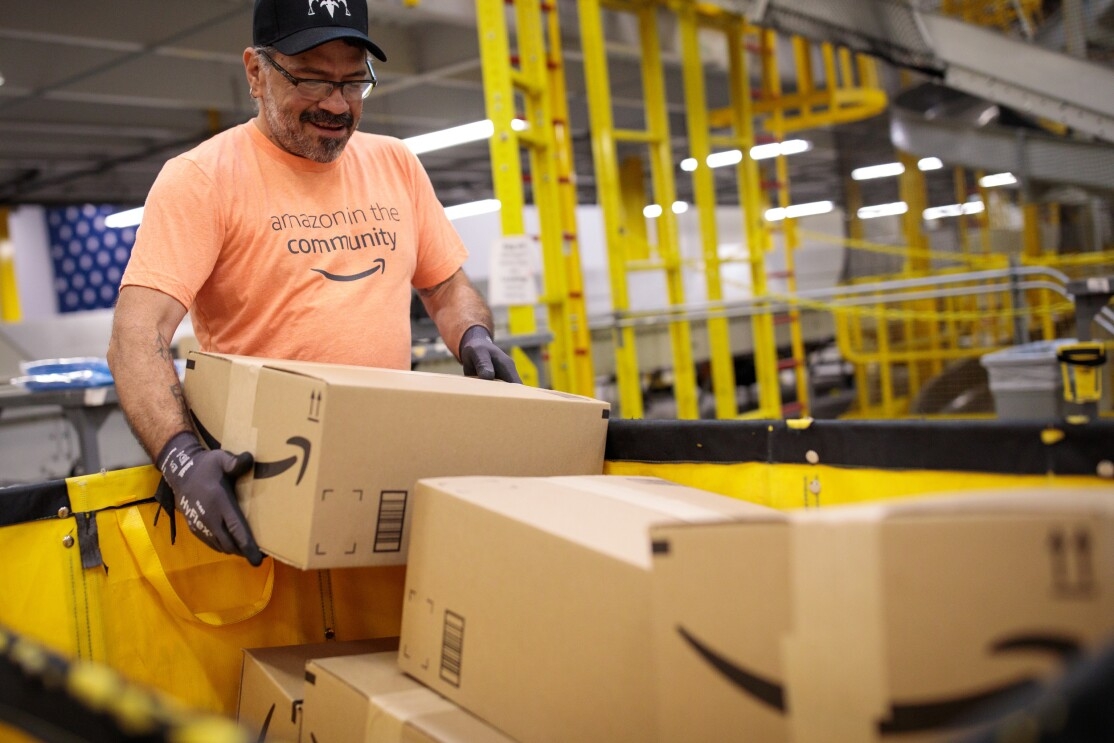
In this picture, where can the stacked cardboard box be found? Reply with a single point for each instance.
(536, 605)
(528, 599)
(272, 683)
(347, 692)
(905, 618)
(367, 699)
(622, 608)
(338, 448)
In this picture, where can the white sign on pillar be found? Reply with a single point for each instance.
(514, 272)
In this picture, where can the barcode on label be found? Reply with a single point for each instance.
(388, 527)
(452, 648)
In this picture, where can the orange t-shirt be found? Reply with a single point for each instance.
(279, 256)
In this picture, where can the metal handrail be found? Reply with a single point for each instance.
(884, 292)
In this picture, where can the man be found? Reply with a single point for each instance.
(289, 236)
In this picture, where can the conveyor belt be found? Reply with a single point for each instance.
(984, 63)
(916, 127)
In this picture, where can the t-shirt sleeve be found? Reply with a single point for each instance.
(180, 237)
(440, 250)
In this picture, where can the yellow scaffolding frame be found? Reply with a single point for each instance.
(704, 189)
(539, 80)
(842, 98)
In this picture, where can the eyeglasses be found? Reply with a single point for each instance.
(319, 90)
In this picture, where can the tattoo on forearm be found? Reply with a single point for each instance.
(182, 407)
(162, 348)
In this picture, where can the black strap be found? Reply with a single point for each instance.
(22, 503)
(164, 496)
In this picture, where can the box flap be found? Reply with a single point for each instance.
(1039, 501)
(417, 381)
(452, 726)
(609, 514)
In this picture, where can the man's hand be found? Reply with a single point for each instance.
(202, 483)
(482, 358)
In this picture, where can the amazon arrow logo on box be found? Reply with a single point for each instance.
(339, 448)
(919, 616)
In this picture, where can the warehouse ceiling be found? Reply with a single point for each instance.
(97, 96)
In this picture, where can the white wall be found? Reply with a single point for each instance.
(34, 274)
(818, 262)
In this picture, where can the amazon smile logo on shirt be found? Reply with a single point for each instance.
(379, 266)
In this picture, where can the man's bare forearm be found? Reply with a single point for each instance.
(147, 384)
(455, 305)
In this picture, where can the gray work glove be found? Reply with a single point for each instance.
(202, 482)
(482, 358)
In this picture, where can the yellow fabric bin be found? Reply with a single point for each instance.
(87, 572)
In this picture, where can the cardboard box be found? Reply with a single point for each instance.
(528, 599)
(721, 608)
(367, 699)
(339, 448)
(895, 620)
(272, 680)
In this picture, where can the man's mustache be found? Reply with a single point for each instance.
(323, 118)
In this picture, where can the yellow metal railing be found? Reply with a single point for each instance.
(898, 346)
(1001, 14)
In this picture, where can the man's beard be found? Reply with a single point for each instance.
(295, 139)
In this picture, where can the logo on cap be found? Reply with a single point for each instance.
(329, 5)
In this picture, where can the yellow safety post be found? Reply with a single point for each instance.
(1031, 252)
(608, 194)
(704, 188)
(660, 148)
(539, 79)
(582, 380)
(532, 83)
(885, 364)
(499, 97)
(771, 91)
(9, 289)
(753, 205)
(959, 180)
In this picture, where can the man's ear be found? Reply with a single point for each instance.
(253, 69)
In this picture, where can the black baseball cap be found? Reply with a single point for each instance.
(295, 26)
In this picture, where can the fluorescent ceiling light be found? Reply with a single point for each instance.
(457, 135)
(472, 208)
(877, 171)
(127, 218)
(653, 211)
(773, 149)
(887, 170)
(758, 152)
(883, 210)
(953, 210)
(998, 179)
(722, 159)
(450, 137)
(799, 210)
